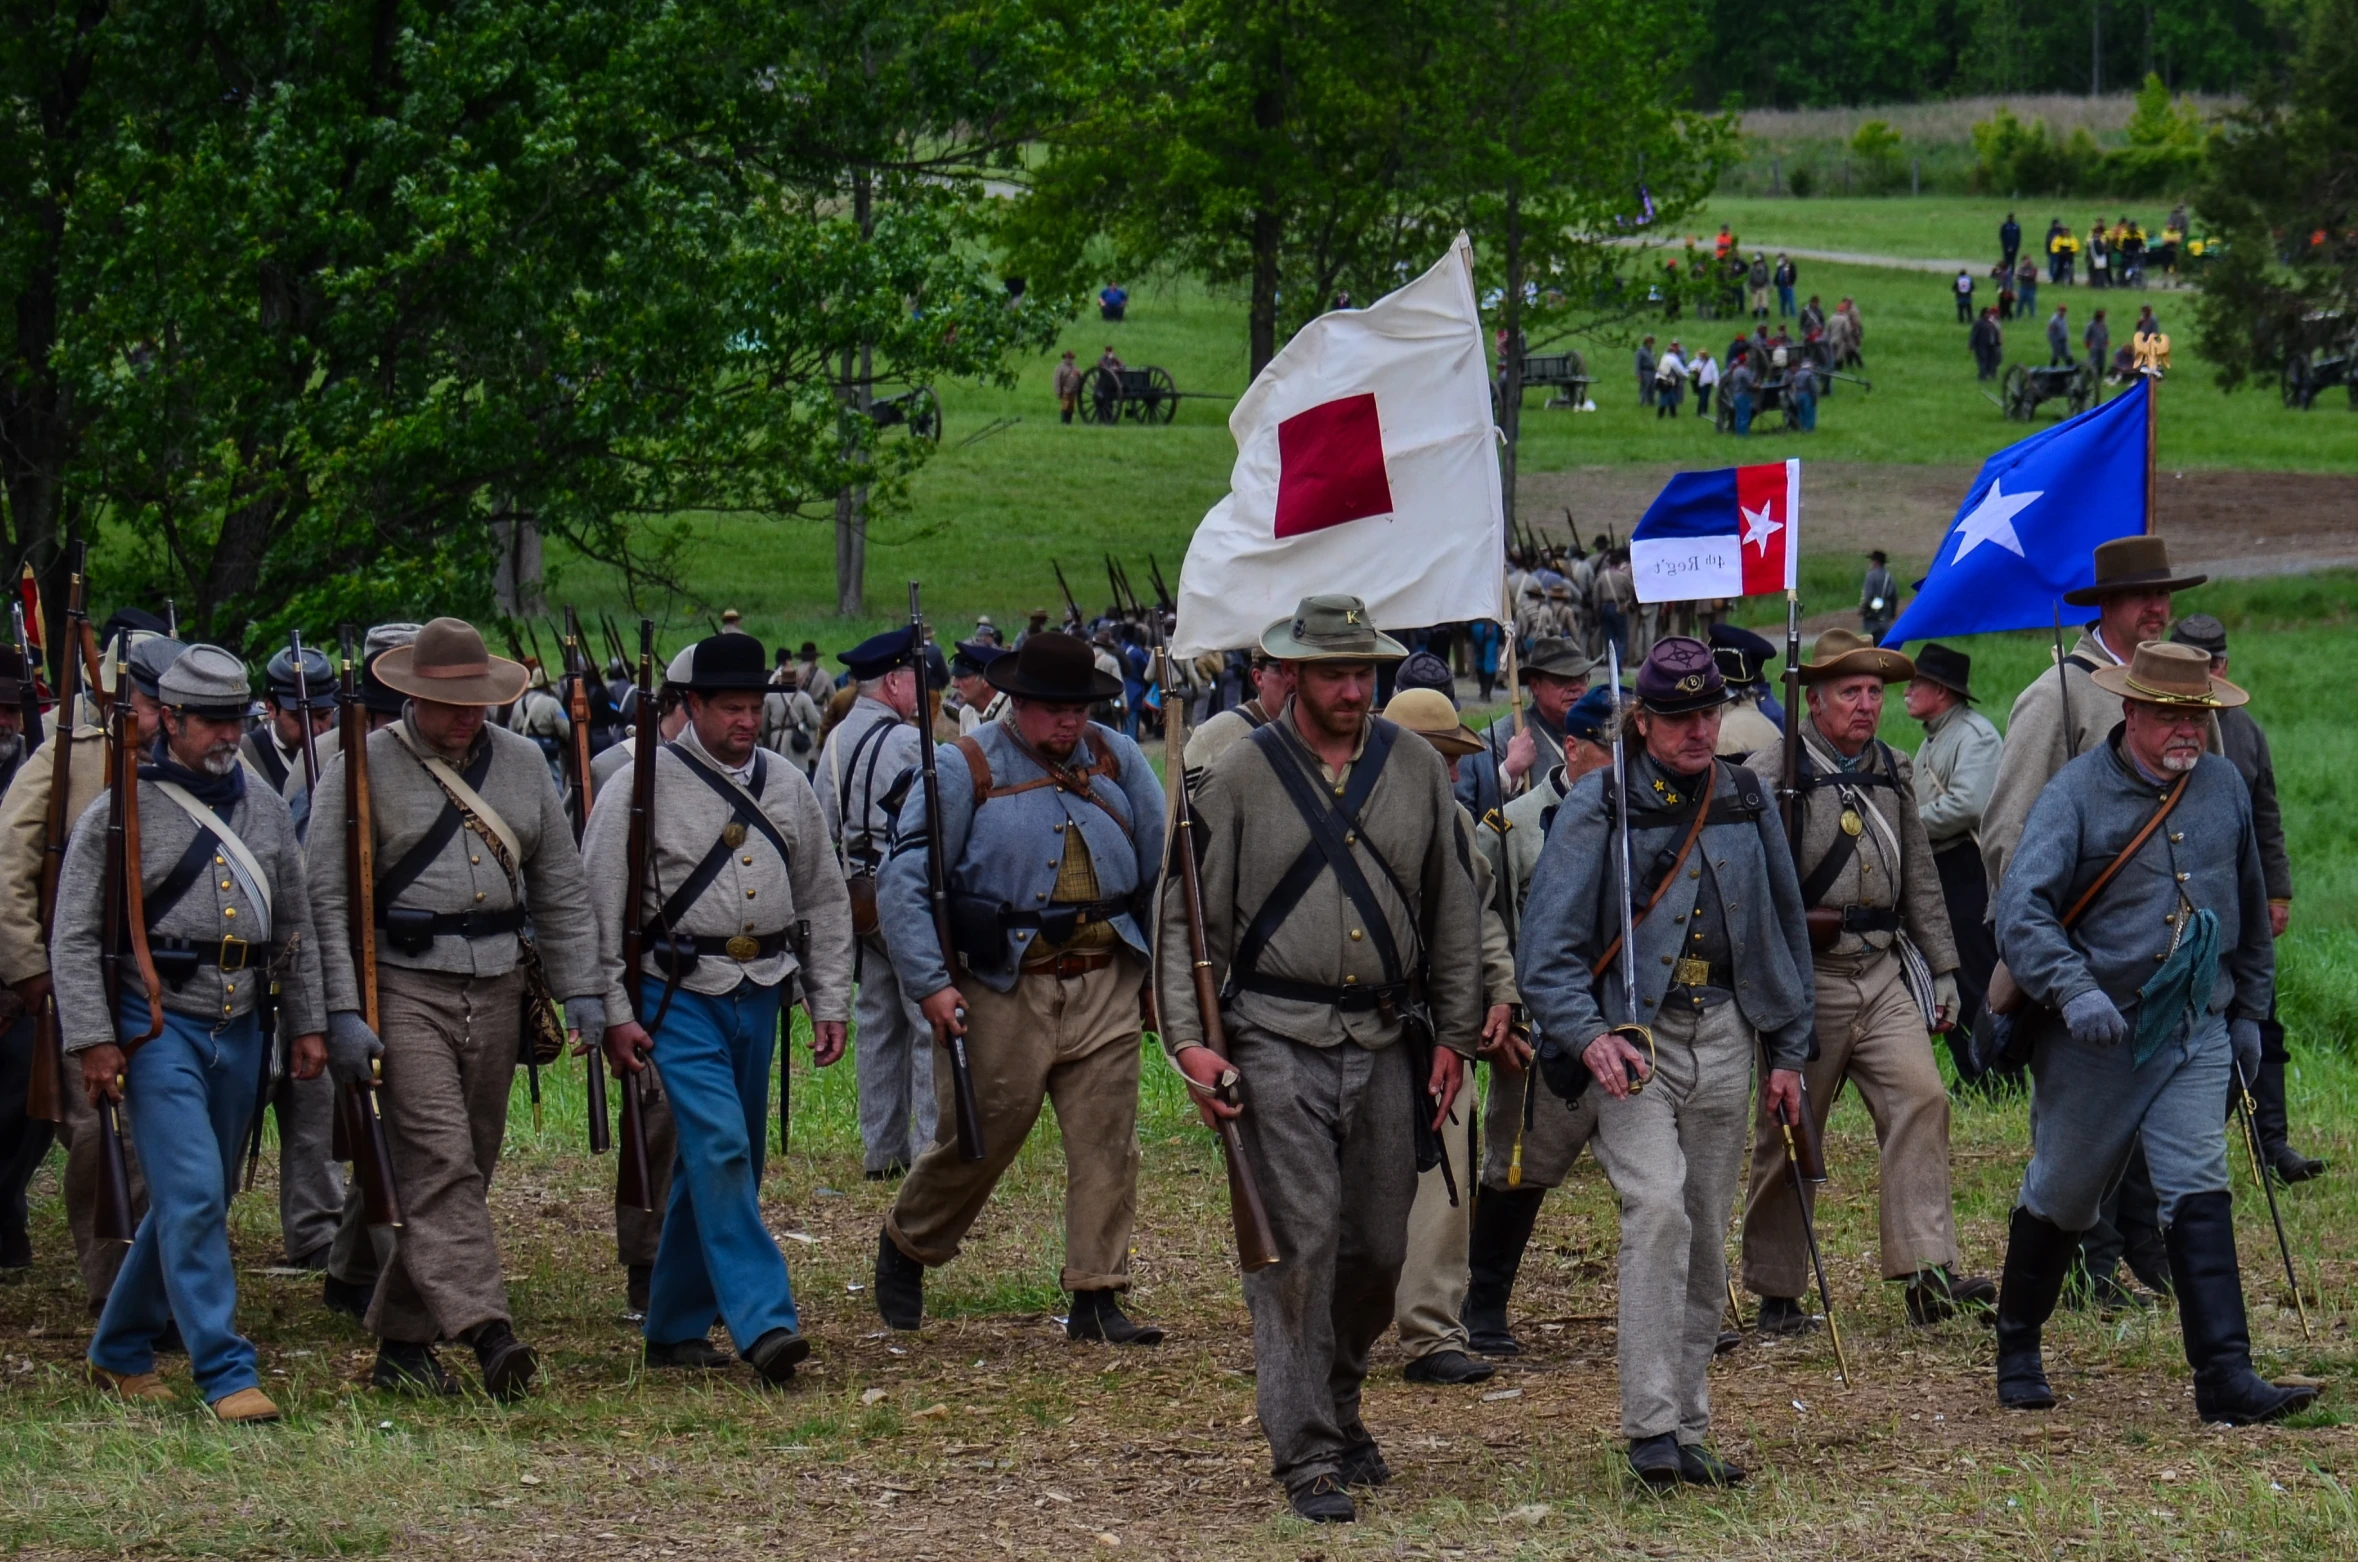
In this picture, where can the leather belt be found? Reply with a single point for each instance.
(1870, 919)
(1065, 967)
(744, 948)
(455, 924)
(1354, 998)
(230, 953)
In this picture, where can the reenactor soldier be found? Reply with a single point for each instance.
(1955, 769)
(473, 853)
(1557, 674)
(1885, 972)
(1051, 836)
(1531, 1135)
(790, 722)
(2246, 748)
(1878, 597)
(1035, 623)
(275, 748)
(1341, 975)
(1721, 973)
(12, 733)
(227, 912)
(864, 772)
(25, 967)
(540, 715)
(1273, 685)
(742, 896)
(1429, 1305)
(1753, 719)
(978, 702)
(2135, 920)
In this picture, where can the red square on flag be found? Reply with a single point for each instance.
(1331, 466)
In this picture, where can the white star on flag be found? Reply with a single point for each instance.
(1759, 526)
(1993, 521)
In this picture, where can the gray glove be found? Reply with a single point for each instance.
(588, 1016)
(351, 1046)
(2244, 1037)
(2094, 1021)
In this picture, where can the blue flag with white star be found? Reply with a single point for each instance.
(2028, 530)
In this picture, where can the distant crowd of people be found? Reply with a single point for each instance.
(1799, 369)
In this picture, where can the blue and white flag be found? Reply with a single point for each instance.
(2028, 530)
(1735, 532)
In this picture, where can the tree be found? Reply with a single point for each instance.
(2280, 192)
(1552, 136)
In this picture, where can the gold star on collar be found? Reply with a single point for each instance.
(1669, 794)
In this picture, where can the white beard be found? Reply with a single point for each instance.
(2178, 763)
(222, 760)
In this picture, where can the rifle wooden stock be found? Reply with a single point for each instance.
(633, 1184)
(577, 710)
(45, 1085)
(360, 1120)
(122, 932)
(937, 890)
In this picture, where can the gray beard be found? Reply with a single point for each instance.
(12, 746)
(2178, 764)
(221, 760)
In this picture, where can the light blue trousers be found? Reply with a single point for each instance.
(188, 1099)
(2089, 1105)
(717, 1259)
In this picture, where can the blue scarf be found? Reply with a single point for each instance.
(219, 793)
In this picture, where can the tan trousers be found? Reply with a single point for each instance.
(98, 1261)
(1871, 1033)
(1073, 1042)
(450, 1060)
(1430, 1300)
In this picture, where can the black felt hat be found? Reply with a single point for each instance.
(727, 661)
(1952, 670)
(1055, 667)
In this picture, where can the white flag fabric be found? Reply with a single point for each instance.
(1366, 462)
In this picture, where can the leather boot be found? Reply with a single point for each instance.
(507, 1363)
(2210, 1315)
(900, 1285)
(1098, 1315)
(2038, 1257)
(2271, 1118)
(1503, 1218)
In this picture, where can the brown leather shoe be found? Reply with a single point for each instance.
(136, 1386)
(246, 1407)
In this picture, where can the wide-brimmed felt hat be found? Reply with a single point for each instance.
(731, 660)
(1430, 715)
(1331, 628)
(449, 664)
(1056, 667)
(1952, 670)
(2132, 564)
(2163, 673)
(1679, 675)
(207, 681)
(1741, 654)
(2205, 633)
(1557, 659)
(1845, 653)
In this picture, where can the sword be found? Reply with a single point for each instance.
(2251, 1144)
(1817, 1260)
(1629, 1000)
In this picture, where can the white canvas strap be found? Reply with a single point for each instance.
(243, 866)
(468, 799)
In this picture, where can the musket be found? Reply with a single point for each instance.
(171, 619)
(1129, 592)
(633, 1181)
(1113, 578)
(2246, 1110)
(1072, 609)
(1809, 1230)
(358, 1103)
(29, 688)
(614, 646)
(45, 1084)
(937, 893)
(122, 933)
(1256, 1242)
(1808, 1143)
(1162, 592)
(303, 699)
(577, 709)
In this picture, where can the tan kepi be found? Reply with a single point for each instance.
(2163, 673)
(449, 664)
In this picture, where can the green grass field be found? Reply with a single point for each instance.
(1930, 227)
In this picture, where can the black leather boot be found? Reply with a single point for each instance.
(1503, 1218)
(2038, 1257)
(2210, 1315)
(407, 1367)
(900, 1285)
(1098, 1315)
(507, 1363)
(2274, 1121)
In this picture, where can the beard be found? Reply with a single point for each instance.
(220, 759)
(2177, 761)
(12, 744)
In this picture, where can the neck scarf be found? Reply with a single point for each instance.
(219, 793)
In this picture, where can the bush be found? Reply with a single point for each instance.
(1882, 165)
(1801, 182)
(2163, 157)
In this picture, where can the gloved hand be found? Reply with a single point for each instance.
(2244, 1037)
(588, 1016)
(2094, 1021)
(351, 1046)
(1944, 1001)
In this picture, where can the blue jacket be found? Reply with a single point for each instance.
(2208, 849)
(1571, 916)
(1004, 854)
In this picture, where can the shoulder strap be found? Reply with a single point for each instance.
(843, 787)
(470, 803)
(1081, 782)
(1662, 886)
(744, 802)
(978, 766)
(2114, 867)
(1327, 848)
(238, 855)
(420, 857)
(2081, 662)
(183, 876)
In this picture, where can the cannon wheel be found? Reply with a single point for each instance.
(1101, 396)
(2016, 388)
(2294, 381)
(1162, 397)
(923, 410)
(2083, 387)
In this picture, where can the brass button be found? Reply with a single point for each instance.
(1666, 959)
(229, 987)
(1356, 935)
(1679, 917)
(474, 859)
(1694, 873)
(219, 860)
(1039, 894)
(2182, 878)
(749, 894)
(2158, 959)
(225, 1008)
(748, 861)
(225, 883)
(1350, 981)
(229, 911)
(1350, 837)
(2177, 836)
(1058, 827)
(478, 894)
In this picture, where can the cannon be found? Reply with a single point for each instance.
(2308, 372)
(918, 410)
(1768, 396)
(1147, 395)
(1565, 375)
(2027, 385)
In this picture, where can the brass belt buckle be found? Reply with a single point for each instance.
(1690, 972)
(232, 945)
(743, 948)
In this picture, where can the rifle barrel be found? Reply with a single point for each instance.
(937, 892)
(633, 1184)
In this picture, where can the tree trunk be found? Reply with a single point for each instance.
(851, 502)
(516, 577)
(1510, 360)
(1268, 226)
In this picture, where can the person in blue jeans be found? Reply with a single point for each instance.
(1738, 390)
(226, 904)
(743, 895)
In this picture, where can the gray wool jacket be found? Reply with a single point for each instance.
(1003, 854)
(215, 905)
(464, 876)
(755, 893)
(2208, 850)
(1570, 916)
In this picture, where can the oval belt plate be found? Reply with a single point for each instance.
(734, 833)
(742, 948)
(1852, 824)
